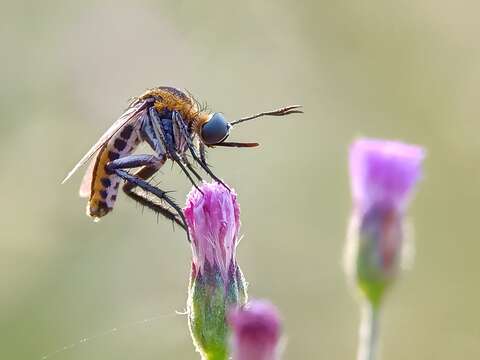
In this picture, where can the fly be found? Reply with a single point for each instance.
(173, 124)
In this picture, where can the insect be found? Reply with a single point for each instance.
(174, 125)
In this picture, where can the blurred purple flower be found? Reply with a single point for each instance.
(256, 331)
(216, 282)
(383, 175)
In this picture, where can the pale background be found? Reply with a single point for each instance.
(406, 70)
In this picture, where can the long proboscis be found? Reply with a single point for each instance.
(287, 110)
(237, 144)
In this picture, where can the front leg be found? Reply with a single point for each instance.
(177, 118)
(165, 136)
(203, 153)
(190, 167)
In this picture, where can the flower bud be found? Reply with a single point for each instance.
(383, 175)
(256, 330)
(216, 281)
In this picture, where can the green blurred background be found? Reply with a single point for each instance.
(404, 70)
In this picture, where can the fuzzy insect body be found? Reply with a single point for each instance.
(100, 184)
(174, 125)
(103, 183)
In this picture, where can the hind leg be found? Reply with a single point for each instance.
(150, 165)
(128, 188)
(162, 195)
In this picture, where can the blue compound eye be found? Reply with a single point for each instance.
(215, 130)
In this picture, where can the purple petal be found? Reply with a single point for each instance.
(384, 172)
(213, 219)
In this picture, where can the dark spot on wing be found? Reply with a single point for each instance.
(119, 144)
(103, 194)
(114, 197)
(116, 185)
(106, 182)
(127, 132)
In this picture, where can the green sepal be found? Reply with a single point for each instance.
(209, 301)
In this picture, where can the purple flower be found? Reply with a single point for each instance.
(213, 219)
(216, 282)
(383, 175)
(256, 331)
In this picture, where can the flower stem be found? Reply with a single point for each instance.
(369, 332)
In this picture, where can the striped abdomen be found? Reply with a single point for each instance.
(104, 185)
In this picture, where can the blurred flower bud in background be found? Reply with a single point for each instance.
(216, 282)
(256, 331)
(383, 175)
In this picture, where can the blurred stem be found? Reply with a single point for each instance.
(369, 332)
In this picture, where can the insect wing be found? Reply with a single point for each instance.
(86, 185)
(131, 115)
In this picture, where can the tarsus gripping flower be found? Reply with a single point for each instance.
(383, 175)
(216, 282)
(256, 331)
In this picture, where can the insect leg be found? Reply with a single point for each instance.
(167, 141)
(150, 136)
(179, 121)
(205, 167)
(145, 173)
(150, 165)
(203, 153)
(191, 168)
(134, 161)
(162, 195)
(175, 158)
